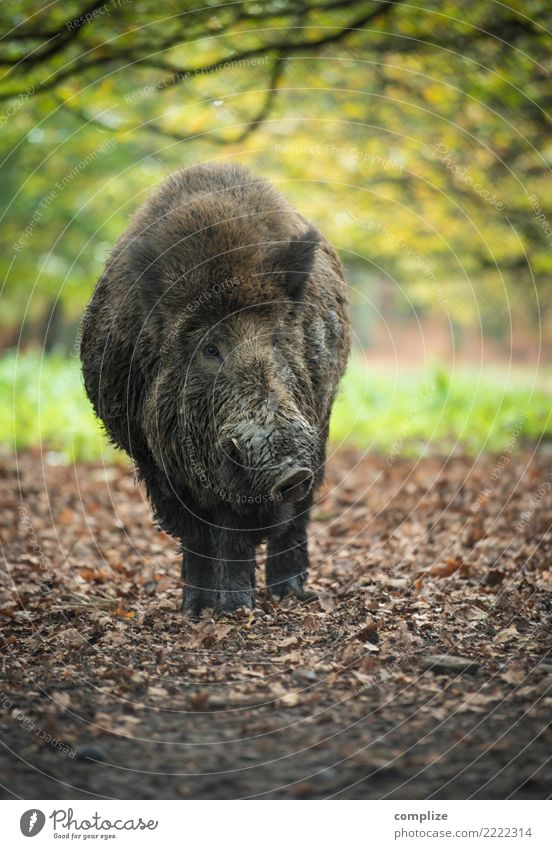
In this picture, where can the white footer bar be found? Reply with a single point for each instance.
(236, 824)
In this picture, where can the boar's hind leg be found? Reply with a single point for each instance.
(198, 573)
(235, 571)
(287, 561)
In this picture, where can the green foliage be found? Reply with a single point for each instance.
(417, 139)
(43, 404)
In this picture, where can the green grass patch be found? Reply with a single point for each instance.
(412, 411)
(42, 403)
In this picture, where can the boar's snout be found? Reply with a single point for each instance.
(269, 461)
(294, 485)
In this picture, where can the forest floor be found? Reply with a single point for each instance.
(422, 670)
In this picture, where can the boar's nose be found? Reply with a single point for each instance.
(293, 486)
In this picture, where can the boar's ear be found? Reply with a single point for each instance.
(294, 261)
(144, 267)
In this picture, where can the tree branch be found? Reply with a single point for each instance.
(264, 111)
(60, 38)
(177, 75)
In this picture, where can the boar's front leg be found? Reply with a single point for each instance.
(178, 515)
(198, 572)
(235, 570)
(287, 561)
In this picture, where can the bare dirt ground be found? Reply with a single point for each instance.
(107, 691)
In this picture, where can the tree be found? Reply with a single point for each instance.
(417, 138)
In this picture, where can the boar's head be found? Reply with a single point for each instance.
(230, 407)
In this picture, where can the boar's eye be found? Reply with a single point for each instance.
(211, 352)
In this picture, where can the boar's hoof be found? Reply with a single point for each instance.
(229, 600)
(293, 486)
(294, 587)
(196, 600)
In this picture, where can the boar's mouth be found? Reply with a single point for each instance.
(294, 485)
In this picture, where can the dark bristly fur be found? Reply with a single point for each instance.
(212, 350)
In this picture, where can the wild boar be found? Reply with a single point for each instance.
(212, 350)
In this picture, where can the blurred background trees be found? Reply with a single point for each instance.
(415, 137)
